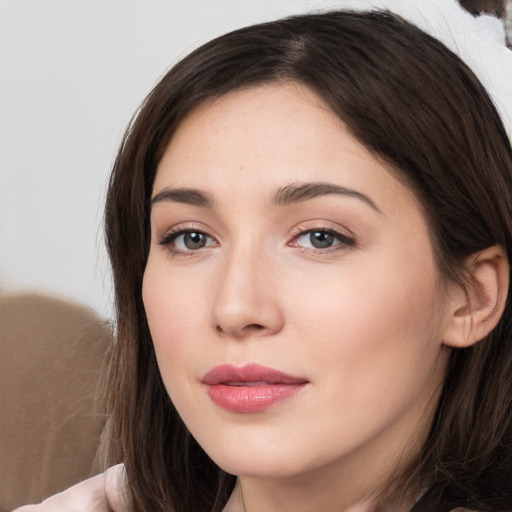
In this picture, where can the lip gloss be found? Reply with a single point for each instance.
(251, 388)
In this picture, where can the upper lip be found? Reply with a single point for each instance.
(250, 373)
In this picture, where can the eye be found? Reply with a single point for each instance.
(186, 241)
(318, 239)
(191, 240)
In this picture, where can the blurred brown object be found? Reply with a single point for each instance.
(500, 8)
(475, 7)
(51, 410)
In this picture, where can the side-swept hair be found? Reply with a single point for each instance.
(417, 106)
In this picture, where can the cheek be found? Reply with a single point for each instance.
(378, 326)
(174, 313)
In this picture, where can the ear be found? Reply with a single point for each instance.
(477, 309)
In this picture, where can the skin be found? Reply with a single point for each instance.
(362, 321)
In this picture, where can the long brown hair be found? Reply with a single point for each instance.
(417, 106)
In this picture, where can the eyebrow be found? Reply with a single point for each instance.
(190, 196)
(299, 192)
(289, 194)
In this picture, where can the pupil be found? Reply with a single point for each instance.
(194, 240)
(321, 239)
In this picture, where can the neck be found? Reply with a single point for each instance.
(305, 502)
(316, 492)
(358, 482)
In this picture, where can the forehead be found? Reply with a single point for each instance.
(265, 137)
(259, 124)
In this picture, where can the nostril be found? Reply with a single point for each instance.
(255, 327)
(246, 328)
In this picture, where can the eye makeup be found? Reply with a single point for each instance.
(317, 239)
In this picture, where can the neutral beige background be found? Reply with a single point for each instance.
(51, 408)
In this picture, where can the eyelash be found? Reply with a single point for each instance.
(344, 241)
(170, 236)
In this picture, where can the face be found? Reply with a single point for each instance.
(291, 290)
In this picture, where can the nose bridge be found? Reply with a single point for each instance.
(246, 301)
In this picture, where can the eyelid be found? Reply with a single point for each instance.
(182, 227)
(174, 232)
(346, 240)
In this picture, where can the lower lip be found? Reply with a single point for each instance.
(249, 399)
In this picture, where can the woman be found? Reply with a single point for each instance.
(308, 223)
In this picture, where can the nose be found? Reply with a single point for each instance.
(247, 302)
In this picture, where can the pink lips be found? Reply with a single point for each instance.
(250, 388)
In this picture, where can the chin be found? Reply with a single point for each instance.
(265, 459)
(262, 469)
